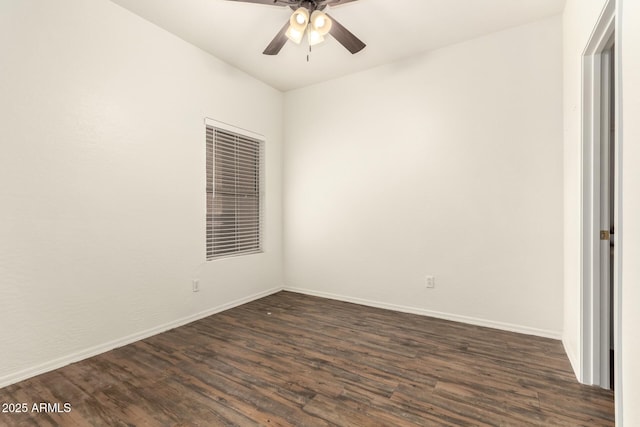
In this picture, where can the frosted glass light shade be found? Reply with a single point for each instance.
(294, 35)
(314, 37)
(321, 22)
(300, 19)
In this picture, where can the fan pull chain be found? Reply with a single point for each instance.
(309, 54)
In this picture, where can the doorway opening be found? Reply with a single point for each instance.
(600, 206)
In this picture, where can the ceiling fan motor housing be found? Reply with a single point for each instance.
(310, 5)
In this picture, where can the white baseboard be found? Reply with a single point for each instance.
(103, 348)
(108, 346)
(423, 312)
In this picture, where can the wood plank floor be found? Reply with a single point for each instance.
(295, 360)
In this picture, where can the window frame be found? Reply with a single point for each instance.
(225, 207)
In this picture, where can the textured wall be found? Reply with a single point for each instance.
(630, 390)
(102, 190)
(448, 163)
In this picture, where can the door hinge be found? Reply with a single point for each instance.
(604, 235)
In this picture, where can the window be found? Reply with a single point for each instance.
(234, 184)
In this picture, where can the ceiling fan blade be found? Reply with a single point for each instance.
(345, 37)
(334, 3)
(268, 2)
(278, 41)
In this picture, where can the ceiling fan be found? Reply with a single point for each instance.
(308, 17)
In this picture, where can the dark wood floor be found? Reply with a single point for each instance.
(296, 360)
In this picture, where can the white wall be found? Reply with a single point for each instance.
(630, 212)
(102, 199)
(449, 163)
(579, 19)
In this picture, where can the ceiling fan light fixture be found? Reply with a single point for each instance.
(321, 22)
(308, 19)
(300, 19)
(294, 35)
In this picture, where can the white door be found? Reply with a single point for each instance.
(607, 191)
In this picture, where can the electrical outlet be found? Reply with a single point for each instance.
(195, 285)
(430, 282)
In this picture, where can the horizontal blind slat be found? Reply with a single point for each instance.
(234, 214)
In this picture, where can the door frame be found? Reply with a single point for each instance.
(593, 335)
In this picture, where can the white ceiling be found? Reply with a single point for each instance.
(238, 32)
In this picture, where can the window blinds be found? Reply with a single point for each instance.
(234, 214)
